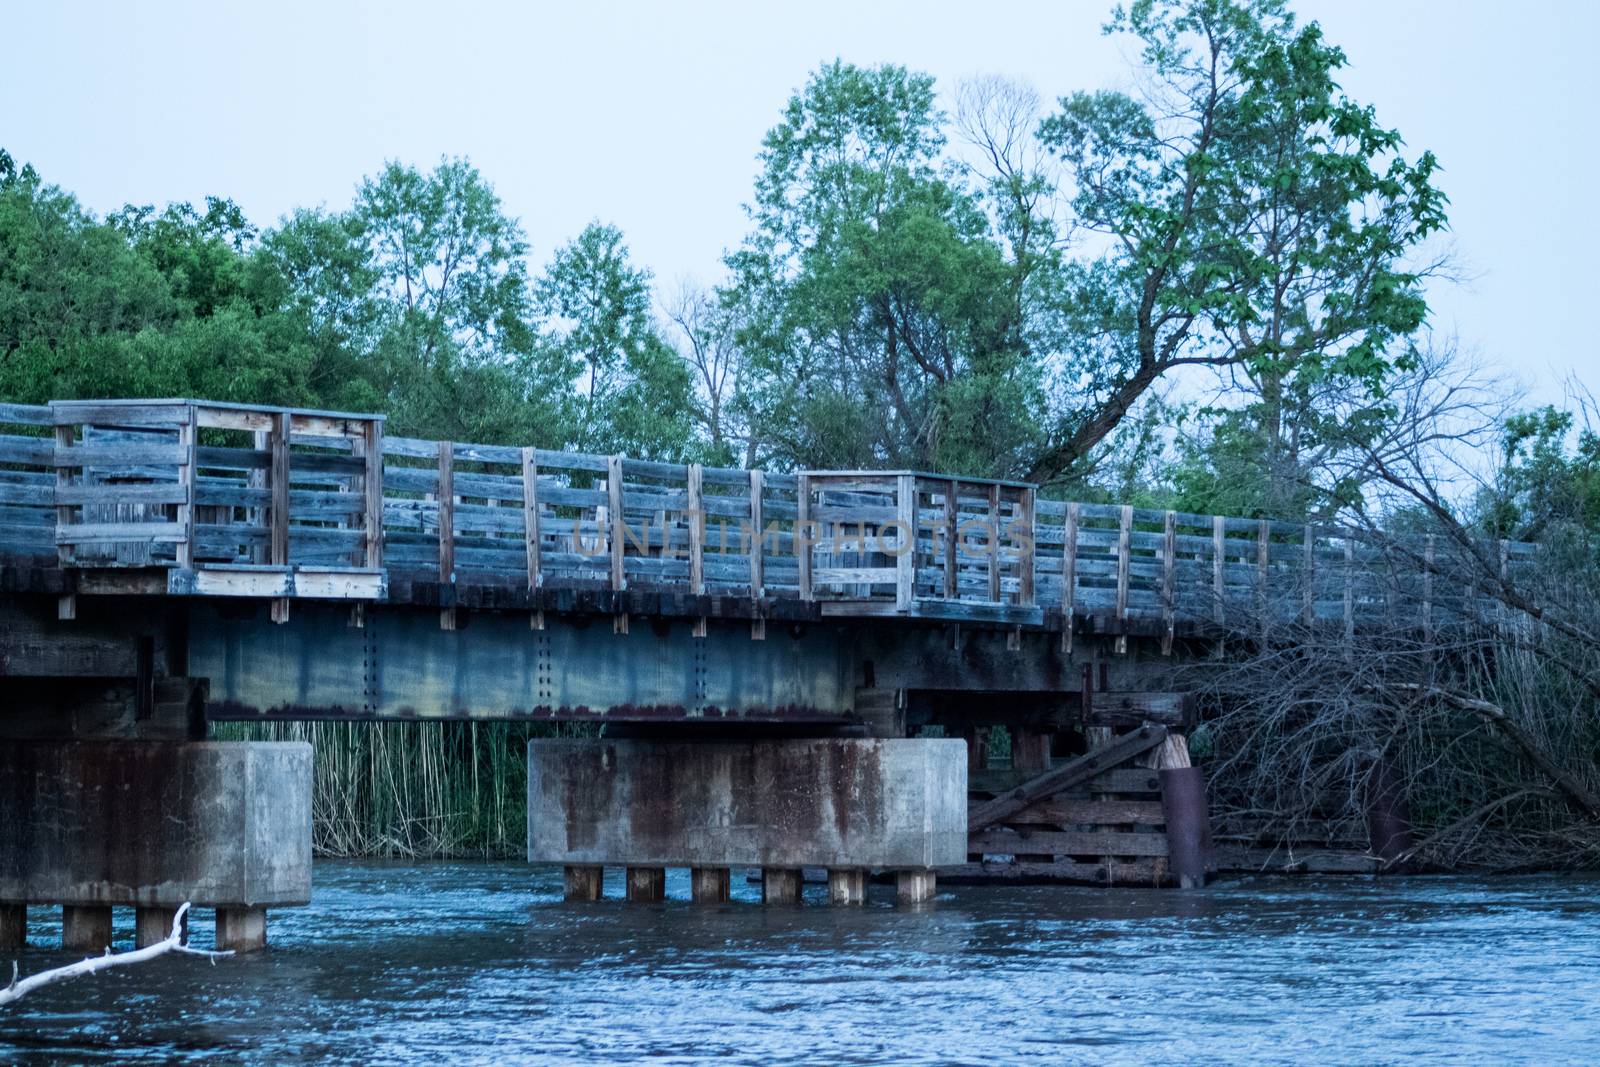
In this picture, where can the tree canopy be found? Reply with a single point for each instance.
(1199, 286)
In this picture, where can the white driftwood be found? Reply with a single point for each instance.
(173, 943)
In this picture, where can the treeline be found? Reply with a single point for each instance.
(1209, 294)
(979, 282)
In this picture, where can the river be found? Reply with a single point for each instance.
(483, 963)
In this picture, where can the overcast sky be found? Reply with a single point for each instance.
(649, 115)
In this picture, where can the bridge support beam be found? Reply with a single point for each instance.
(846, 804)
(152, 824)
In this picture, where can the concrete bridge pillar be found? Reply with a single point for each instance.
(849, 805)
(153, 824)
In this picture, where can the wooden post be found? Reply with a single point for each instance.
(1219, 547)
(616, 521)
(697, 541)
(994, 543)
(1069, 576)
(66, 605)
(1427, 590)
(188, 441)
(1028, 552)
(1124, 547)
(278, 487)
(802, 534)
(646, 885)
(758, 563)
(530, 531)
(905, 564)
(372, 482)
(710, 885)
(952, 536)
(447, 531)
(847, 885)
(1169, 592)
(583, 883)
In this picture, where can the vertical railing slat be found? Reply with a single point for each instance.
(447, 531)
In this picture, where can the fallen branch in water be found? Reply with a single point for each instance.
(172, 943)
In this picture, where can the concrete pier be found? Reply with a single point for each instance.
(780, 885)
(847, 886)
(834, 803)
(154, 925)
(241, 929)
(583, 883)
(85, 928)
(710, 885)
(13, 927)
(152, 824)
(646, 885)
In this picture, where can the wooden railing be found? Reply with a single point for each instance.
(241, 500)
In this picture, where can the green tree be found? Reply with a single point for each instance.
(1255, 220)
(634, 392)
(872, 296)
(447, 316)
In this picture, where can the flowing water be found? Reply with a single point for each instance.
(483, 963)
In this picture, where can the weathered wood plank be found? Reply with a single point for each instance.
(1065, 776)
(1067, 843)
(1056, 811)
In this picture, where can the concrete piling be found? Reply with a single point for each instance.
(241, 929)
(710, 885)
(847, 885)
(646, 885)
(154, 925)
(13, 927)
(86, 928)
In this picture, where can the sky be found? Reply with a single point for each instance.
(649, 116)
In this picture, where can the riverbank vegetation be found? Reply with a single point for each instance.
(1207, 293)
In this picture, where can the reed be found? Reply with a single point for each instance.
(415, 789)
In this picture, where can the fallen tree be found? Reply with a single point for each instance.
(172, 943)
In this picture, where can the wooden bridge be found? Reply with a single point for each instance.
(168, 563)
(201, 499)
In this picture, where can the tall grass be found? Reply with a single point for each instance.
(414, 789)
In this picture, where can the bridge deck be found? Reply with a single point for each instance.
(194, 498)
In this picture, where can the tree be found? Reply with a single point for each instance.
(635, 392)
(1255, 219)
(449, 308)
(871, 295)
(707, 332)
